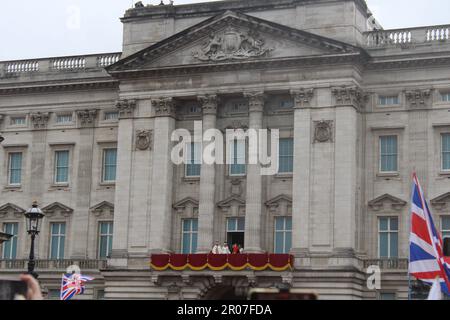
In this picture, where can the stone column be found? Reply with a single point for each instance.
(301, 175)
(162, 176)
(119, 252)
(207, 181)
(253, 210)
(80, 222)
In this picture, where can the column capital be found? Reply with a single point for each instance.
(256, 100)
(163, 107)
(302, 97)
(39, 119)
(126, 108)
(209, 103)
(351, 95)
(418, 98)
(87, 117)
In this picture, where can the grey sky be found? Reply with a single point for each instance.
(46, 28)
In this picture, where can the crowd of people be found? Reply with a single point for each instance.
(225, 249)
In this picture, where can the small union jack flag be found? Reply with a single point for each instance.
(72, 285)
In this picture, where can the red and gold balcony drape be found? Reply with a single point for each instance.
(218, 262)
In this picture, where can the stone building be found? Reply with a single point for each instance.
(358, 109)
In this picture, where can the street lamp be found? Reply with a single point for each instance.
(1, 139)
(33, 215)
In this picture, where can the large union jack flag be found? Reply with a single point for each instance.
(72, 285)
(426, 258)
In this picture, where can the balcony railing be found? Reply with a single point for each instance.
(59, 64)
(387, 264)
(398, 37)
(22, 264)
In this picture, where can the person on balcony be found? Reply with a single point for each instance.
(235, 248)
(225, 249)
(216, 249)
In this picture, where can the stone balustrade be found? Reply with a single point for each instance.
(58, 64)
(395, 37)
(22, 264)
(388, 264)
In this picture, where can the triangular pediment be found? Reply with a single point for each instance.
(279, 199)
(103, 207)
(11, 208)
(186, 202)
(441, 202)
(233, 200)
(387, 202)
(55, 207)
(227, 38)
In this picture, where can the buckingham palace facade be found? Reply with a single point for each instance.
(358, 108)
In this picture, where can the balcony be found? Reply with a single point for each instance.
(388, 264)
(408, 36)
(56, 265)
(11, 69)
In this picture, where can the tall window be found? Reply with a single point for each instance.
(445, 227)
(235, 231)
(388, 237)
(283, 234)
(286, 155)
(109, 165)
(388, 154)
(446, 151)
(387, 100)
(10, 246)
(105, 239)
(57, 240)
(62, 166)
(189, 236)
(193, 159)
(446, 96)
(15, 168)
(237, 158)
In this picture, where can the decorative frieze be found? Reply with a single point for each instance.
(40, 119)
(163, 107)
(126, 108)
(323, 131)
(87, 117)
(302, 97)
(256, 101)
(144, 139)
(418, 98)
(348, 96)
(209, 103)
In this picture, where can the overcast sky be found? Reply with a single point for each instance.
(46, 28)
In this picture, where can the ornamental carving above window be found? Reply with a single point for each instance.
(232, 44)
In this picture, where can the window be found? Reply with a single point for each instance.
(57, 240)
(105, 239)
(388, 100)
(286, 155)
(387, 296)
(111, 116)
(445, 96)
(235, 231)
(388, 237)
(237, 158)
(193, 161)
(286, 104)
(10, 246)
(15, 168)
(283, 234)
(109, 165)
(388, 154)
(445, 227)
(62, 166)
(18, 121)
(64, 118)
(446, 151)
(195, 109)
(189, 236)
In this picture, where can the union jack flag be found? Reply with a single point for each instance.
(72, 285)
(426, 258)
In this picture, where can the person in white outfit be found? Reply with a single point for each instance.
(225, 248)
(216, 248)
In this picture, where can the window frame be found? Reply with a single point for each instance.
(287, 156)
(442, 227)
(55, 167)
(59, 235)
(233, 158)
(191, 234)
(18, 125)
(104, 151)
(380, 154)
(64, 123)
(283, 231)
(442, 135)
(15, 237)
(109, 236)
(191, 152)
(445, 96)
(389, 232)
(9, 169)
(390, 100)
(107, 112)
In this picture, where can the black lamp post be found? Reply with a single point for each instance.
(33, 215)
